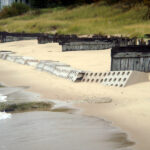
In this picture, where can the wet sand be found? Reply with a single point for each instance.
(129, 108)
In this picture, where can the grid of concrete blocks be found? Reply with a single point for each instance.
(112, 78)
(116, 78)
(61, 70)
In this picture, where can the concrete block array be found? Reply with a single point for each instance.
(22, 60)
(32, 63)
(60, 69)
(116, 78)
(4, 54)
(53, 67)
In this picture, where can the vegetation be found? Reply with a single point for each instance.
(14, 10)
(54, 3)
(95, 18)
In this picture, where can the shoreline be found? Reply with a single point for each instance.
(36, 106)
(80, 104)
(128, 110)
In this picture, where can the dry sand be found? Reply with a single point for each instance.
(129, 108)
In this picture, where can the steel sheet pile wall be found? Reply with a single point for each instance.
(131, 58)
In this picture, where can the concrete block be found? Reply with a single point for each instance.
(76, 75)
(23, 59)
(12, 58)
(32, 63)
(4, 56)
(48, 68)
(92, 77)
(20, 60)
(116, 78)
(40, 66)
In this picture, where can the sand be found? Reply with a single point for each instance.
(129, 108)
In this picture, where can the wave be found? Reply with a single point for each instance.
(4, 115)
(59, 104)
(3, 98)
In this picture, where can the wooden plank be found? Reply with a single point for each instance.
(136, 64)
(131, 54)
(116, 64)
(126, 64)
(146, 61)
(149, 65)
(131, 64)
(122, 64)
(135, 48)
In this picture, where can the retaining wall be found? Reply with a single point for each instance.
(76, 46)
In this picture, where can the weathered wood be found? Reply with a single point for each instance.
(131, 58)
(131, 54)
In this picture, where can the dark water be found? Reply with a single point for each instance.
(59, 131)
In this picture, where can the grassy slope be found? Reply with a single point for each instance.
(88, 19)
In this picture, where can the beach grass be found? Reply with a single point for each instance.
(98, 18)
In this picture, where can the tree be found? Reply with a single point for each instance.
(147, 3)
(38, 3)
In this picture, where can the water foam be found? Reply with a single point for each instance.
(4, 115)
(3, 98)
(60, 104)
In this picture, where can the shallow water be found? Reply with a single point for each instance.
(55, 131)
(4, 115)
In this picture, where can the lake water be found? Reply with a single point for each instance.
(55, 130)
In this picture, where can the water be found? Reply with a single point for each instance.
(55, 131)
(4, 115)
(3, 98)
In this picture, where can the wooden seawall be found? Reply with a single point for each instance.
(131, 58)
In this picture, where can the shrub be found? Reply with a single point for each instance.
(14, 10)
(147, 3)
(38, 3)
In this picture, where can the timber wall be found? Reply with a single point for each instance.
(131, 58)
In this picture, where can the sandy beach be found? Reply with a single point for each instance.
(128, 110)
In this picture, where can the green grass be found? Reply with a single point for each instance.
(88, 19)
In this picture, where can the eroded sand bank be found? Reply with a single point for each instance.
(129, 108)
